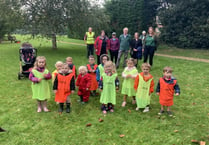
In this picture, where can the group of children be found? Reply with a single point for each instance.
(139, 86)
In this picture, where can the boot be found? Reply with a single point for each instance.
(67, 107)
(44, 105)
(2, 130)
(61, 107)
(39, 106)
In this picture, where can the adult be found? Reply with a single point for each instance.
(101, 45)
(125, 40)
(136, 48)
(142, 37)
(150, 45)
(89, 40)
(114, 47)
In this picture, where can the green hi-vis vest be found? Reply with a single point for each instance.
(90, 38)
(108, 94)
(101, 69)
(40, 90)
(142, 94)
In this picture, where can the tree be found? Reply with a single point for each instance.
(186, 24)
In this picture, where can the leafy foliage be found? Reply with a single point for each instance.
(186, 24)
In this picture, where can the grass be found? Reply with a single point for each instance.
(25, 126)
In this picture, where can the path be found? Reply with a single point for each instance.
(158, 54)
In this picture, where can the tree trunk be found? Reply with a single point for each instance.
(54, 41)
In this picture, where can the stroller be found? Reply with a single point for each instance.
(27, 58)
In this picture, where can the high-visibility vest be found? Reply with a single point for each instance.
(90, 38)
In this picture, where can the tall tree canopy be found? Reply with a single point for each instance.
(186, 23)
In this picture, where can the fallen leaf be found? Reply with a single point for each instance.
(175, 131)
(193, 103)
(101, 120)
(129, 110)
(195, 141)
(122, 135)
(89, 124)
(202, 142)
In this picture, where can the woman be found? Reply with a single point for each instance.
(114, 47)
(150, 45)
(136, 48)
(101, 45)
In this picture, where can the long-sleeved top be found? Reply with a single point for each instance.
(35, 79)
(114, 44)
(100, 43)
(83, 82)
(101, 83)
(169, 81)
(125, 41)
(72, 82)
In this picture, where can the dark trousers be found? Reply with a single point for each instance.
(98, 58)
(90, 50)
(149, 52)
(114, 55)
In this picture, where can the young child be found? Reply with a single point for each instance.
(92, 71)
(100, 69)
(84, 84)
(58, 66)
(129, 74)
(165, 89)
(40, 86)
(64, 85)
(109, 83)
(144, 86)
(69, 61)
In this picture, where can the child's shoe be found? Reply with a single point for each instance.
(170, 113)
(133, 101)
(146, 109)
(111, 110)
(2, 130)
(104, 112)
(83, 103)
(123, 104)
(137, 109)
(61, 107)
(45, 107)
(39, 107)
(67, 107)
(161, 112)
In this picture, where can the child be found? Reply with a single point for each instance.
(58, 66)
(69, 61)
(40, 86)
(144, 86)
(108, 84)
(100, 69)
(92, 71)
(165, 89)
(64, 85)
(84, 83)
(129, 74)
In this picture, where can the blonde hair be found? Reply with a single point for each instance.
(58, 62)
(110, 63)
(131, 60)
(37, 59)
(147, 65)
(69, 58)
(83, 68)
(167, 69)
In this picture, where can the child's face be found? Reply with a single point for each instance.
(130, 64)
(104, 59)
(69, 61)
(167, 74)
(82, 71)
(65, 69)
(59, 66)
(41, 63)
(108, 68)
(91, 60)
(145, 70)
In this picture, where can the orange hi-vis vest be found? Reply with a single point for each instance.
(166, 92)
(63, 89)
(94, 83)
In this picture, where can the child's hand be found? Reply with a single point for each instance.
(128, 76)
(39, 79)
(45, 75)
(100, 90)
(135, 49)
(72, 92)
(158, 93)
(177, 94)
(55, 91)
(87, 89)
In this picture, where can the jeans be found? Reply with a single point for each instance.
(121, 52)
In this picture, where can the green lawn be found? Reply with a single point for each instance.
(25, 126)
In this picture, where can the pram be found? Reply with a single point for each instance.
(27, 58)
